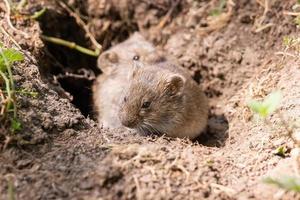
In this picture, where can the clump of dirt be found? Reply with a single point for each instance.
(230, 54)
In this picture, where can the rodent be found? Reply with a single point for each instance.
(151, 94)
(115, 64)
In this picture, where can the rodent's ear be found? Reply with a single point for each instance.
(175, 84)
(107, 60)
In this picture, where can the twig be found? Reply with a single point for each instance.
(266, 9)
(289, 130)
(71, 45)
(285, 54)
(138, 188)
(227, 190)
(166, 18)
(8, 12)
(83, 25)
(38, 14)
(261, 28)
(262, 18)
(291, 13)
(78, 76)
(219, 22)
(16, 44)
(21, 4)
(10, 37)
(260, 3)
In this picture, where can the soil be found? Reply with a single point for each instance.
(61, 152)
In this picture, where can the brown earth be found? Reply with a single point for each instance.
(62, 154)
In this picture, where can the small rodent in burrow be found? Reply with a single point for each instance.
(145, 91)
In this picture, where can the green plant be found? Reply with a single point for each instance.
(281, 151)
(289, 183)
(219, 9)
(15, 125)
(264, 109)
(8, 56)
(267, 106)
(39, 13)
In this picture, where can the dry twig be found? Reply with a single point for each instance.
(291, 13)
(82, 24)
(216, 23)
(259, 23)
(8, 13)
(167, 17)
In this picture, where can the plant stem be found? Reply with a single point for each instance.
(9, 93)
(21, 4)
(71, 45)
(6, 84)
(38, 14)
(11, 190)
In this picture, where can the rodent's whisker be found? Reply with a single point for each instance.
(151, 128)
(143, 129)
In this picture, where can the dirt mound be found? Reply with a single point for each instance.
(229, 49)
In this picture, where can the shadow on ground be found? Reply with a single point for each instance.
(216, 133)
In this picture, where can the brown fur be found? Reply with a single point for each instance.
(116, 64)
(152, 95)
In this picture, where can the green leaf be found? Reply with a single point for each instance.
(255, 106)
(287, 182)
(267, 106)
(272, 102)
(281, 151)
(12, 55)
(217, 11)
(9, 56)
(15, 125)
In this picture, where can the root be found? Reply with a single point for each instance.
(217, 23)
(81, 23)
(167, 17)
(259, 26)
(71, 45)
(8, 13)
(227, 190)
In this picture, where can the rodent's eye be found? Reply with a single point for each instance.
(146, 104)
(125, 99)
(136, 57)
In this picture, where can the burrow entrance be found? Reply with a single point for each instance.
(69, 69)
(75, 72)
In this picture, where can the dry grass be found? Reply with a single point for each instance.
(216, 23)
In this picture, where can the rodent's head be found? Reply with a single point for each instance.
(153, 100)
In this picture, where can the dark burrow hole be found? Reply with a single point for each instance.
(216, 132)
(75, 72)
(72, 70)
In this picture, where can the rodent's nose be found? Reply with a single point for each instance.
(130, 123)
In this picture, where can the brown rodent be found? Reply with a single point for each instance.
(116, 64)
(153, 95)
